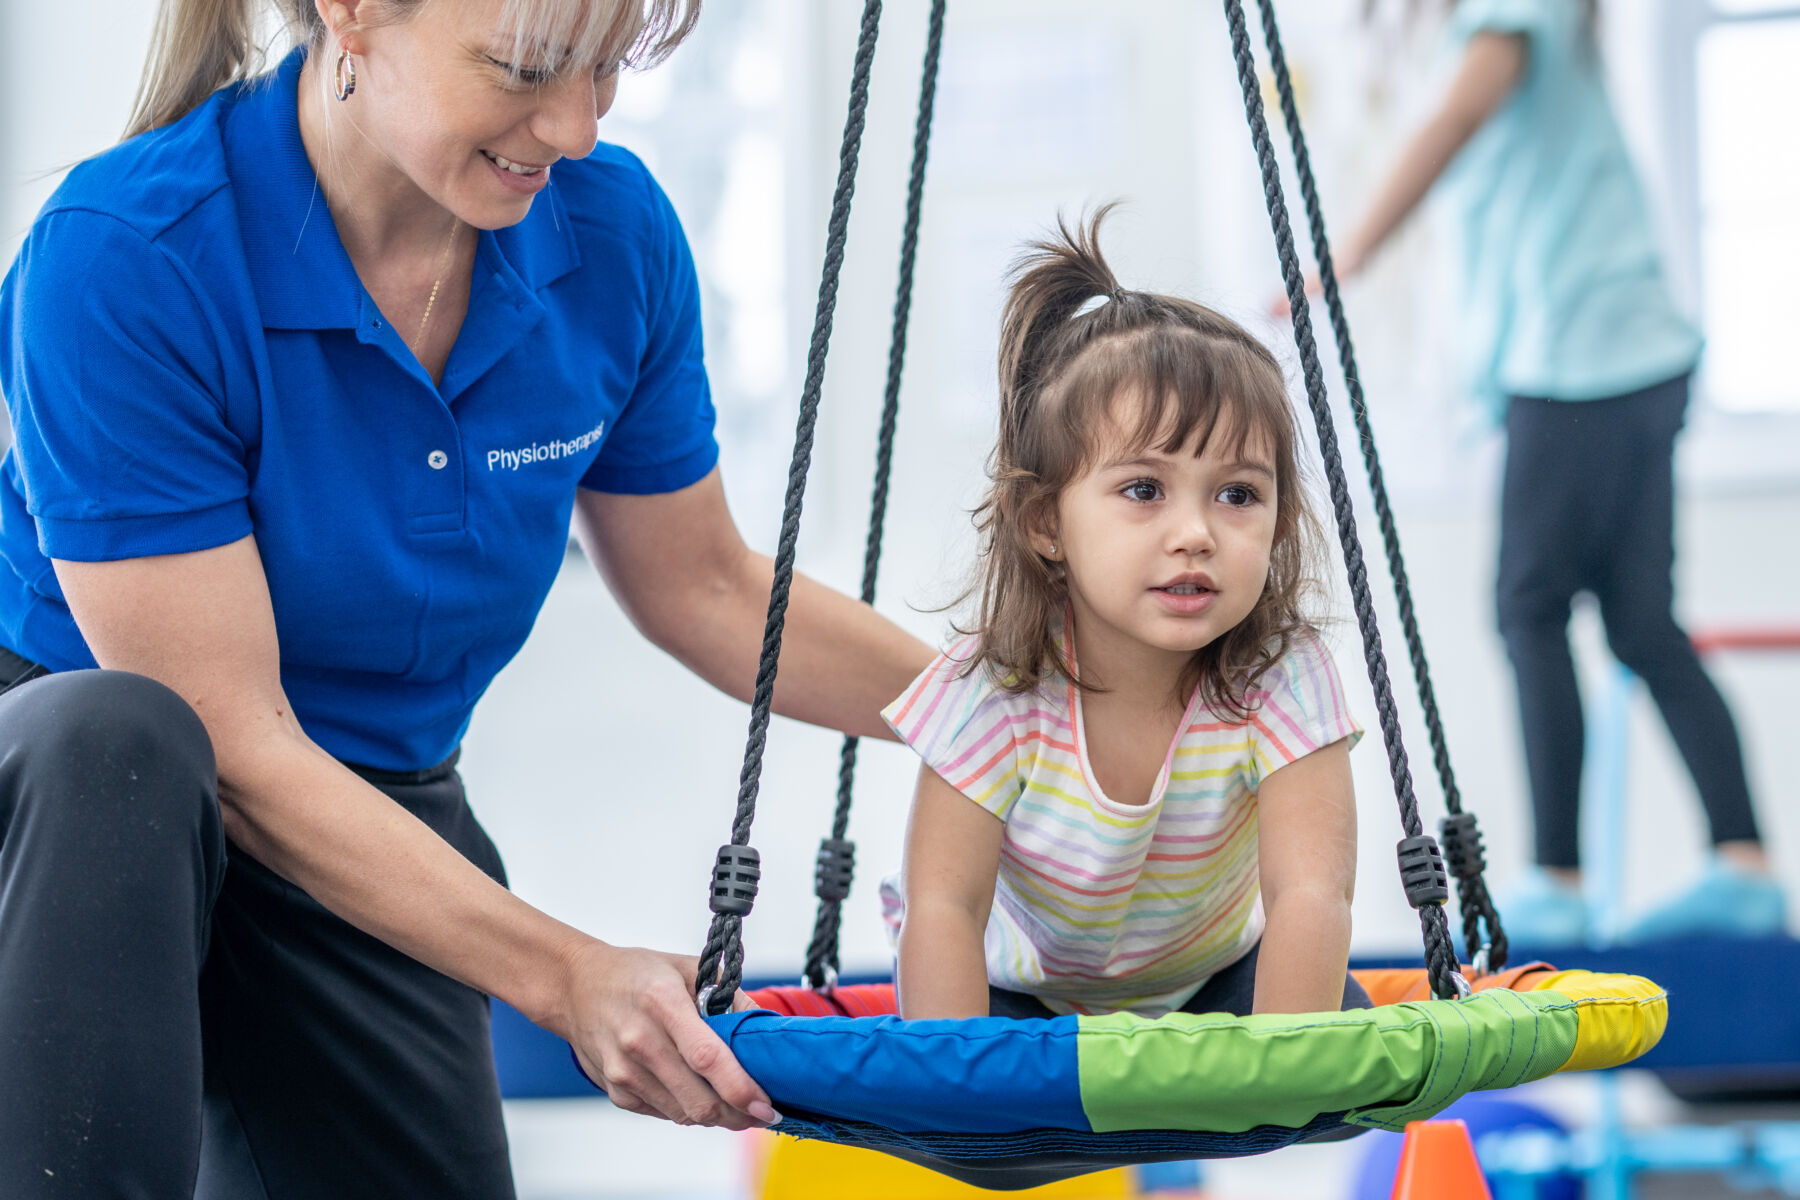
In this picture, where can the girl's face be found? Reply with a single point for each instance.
(435, 96)
(1165, 551)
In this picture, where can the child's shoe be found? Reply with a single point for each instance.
(1727, 901)
(1540, 912)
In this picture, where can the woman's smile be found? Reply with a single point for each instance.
(516, 177)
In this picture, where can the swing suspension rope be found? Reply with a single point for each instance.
(737, 869)
(837, 854)
(1461, 836)
(1422, 868)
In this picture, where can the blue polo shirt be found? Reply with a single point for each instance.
(189, 358)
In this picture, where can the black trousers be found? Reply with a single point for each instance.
(1588, 505)
(1232, 990)
(175, 1019)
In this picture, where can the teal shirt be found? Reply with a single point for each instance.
(1565, 296)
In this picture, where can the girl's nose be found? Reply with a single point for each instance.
(1192, 535)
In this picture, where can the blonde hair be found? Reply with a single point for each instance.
(1063, 362)
(200, 46)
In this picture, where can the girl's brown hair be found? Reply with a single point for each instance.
(1064, 361)
(200, 46)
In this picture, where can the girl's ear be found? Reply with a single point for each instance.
(1043, 538)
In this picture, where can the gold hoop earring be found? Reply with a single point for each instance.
(345, 74)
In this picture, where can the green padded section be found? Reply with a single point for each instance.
(1384, 1066)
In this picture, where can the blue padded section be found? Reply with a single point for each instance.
(982, 1075)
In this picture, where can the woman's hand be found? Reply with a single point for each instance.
(1280, 309)
(637, 1033)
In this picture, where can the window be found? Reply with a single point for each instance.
(1748, 190)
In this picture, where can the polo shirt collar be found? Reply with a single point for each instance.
(298, 266)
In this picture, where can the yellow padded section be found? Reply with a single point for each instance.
(1622, 1016)
(792, 1169)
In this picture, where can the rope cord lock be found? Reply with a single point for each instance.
(735, 875)
(1422, 871)
(1463, 850)
(835, 868)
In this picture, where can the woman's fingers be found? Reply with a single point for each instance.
(711, 1060)
(642, 1039)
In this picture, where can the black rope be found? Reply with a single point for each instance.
(1476, 904)
(836, 863)
(721, 963)
(1440, 953)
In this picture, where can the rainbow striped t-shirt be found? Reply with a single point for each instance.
(1101, 906)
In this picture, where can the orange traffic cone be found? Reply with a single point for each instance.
(1437, 1162)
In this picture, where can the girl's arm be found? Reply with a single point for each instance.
(1492, 66)
(952, 858)
(202, 624)
(687, 581)
(1306, 817)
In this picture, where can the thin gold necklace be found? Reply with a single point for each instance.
(431, 300)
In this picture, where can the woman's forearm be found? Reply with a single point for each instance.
(1492, 66)
(368, 860)
(841, 661)
(1305, 952)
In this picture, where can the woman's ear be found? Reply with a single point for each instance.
(342, 20)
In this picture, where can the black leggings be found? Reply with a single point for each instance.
(1232, 990)
(175, 1019)
(1588, 504)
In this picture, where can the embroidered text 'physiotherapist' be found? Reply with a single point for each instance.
(512, 460)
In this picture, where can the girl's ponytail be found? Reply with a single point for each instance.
(1050, 284)
(199, 46)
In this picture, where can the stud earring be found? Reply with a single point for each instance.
(345, 75)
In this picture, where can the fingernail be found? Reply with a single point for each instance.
(764, 1113)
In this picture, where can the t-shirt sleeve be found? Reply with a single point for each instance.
(115, 380)
(1302, 708)
(965, 728)
(1534, 18)
(663, 439)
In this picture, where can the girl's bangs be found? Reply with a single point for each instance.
(1187, 389)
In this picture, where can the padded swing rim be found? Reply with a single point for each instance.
(1114, 1073)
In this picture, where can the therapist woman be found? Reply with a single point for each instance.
(308, 378)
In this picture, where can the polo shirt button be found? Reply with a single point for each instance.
(438, 460)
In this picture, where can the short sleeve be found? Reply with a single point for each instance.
(965, 728)
(1302, 708)
(113, 373)
(1534, 18)
(663, 440)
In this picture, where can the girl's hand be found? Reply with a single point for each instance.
(638, 1035)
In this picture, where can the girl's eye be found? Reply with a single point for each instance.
(1144, 491)
(1239, 495)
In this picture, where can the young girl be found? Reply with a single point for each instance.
(1136, 769)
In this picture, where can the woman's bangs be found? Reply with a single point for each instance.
(564, 34)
